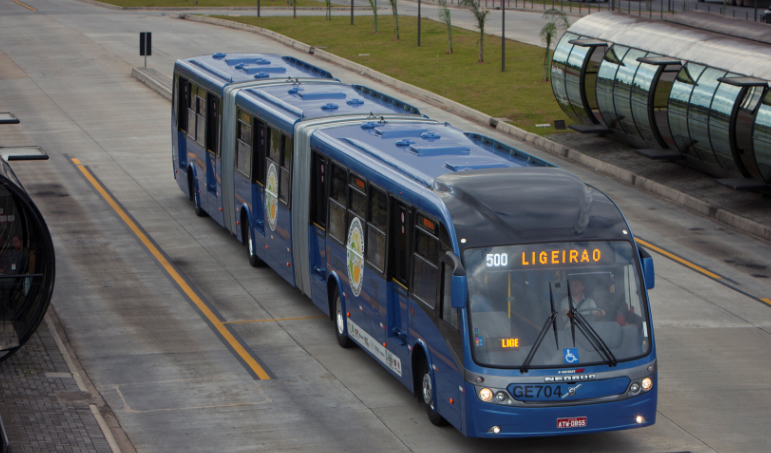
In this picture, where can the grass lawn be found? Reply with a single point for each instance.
(519, 94)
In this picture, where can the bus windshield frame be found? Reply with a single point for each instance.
(520, 315)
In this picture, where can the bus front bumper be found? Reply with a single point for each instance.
(490, 420)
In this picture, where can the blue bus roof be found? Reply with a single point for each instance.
(225, 69)
(423, 151)
(289, 103)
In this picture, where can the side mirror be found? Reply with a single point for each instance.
(459, 283)
(649, 276)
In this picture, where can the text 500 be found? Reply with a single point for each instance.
(497, 259)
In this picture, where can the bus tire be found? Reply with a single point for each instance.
(195, 197)
(254, 260)
(426, 394)
(340, 324)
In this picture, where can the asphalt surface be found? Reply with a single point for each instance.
(48, 404)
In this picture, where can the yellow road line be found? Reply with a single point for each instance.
(682, 261)
(766, 300)
(26, 6)
(274, 320)
(208, 313)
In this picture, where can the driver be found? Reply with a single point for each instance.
(580, 301)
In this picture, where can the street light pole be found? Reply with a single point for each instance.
(503, 35)
(418, 23)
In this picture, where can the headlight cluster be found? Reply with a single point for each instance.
(645, 385)
(495, 396)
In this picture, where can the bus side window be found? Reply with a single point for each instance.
(285, 178)
(399, 236)
(450, 315)
(244, 144)
(377, 223)
(318, 200)
(337, 202)
(357, 198)
(213, 124)
(200, 116)
(193, 118)
(261, 143)
(425, 264)
(183, 102)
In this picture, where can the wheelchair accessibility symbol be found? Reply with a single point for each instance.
(571, 355)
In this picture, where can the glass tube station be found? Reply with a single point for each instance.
(697, 84)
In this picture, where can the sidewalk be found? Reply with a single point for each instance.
(43, 404)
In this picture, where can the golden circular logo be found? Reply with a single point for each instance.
(355, 247)
(271, 196)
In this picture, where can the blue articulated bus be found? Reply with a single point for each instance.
(505, 293)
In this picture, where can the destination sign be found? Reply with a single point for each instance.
(546, 257)
(564, 256)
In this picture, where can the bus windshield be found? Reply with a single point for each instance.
(520, 293)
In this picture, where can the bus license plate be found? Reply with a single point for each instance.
(571, 422)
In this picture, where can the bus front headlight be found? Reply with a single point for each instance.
(485, 394)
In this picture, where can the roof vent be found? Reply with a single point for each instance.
(405, 142)
(355, 101)
(261, 75)
(218, 56)
(329, 106)
(439, 150)
(369, 125)
(294, 90)
(430, 135)
(474, 164)
(261, 61)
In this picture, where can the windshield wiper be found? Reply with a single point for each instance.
(577, 319)
(551, 319)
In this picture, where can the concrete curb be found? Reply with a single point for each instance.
(154, 80)
(653, 187)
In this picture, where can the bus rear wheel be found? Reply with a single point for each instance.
(195, 197)
(339, 314)
(427, 395)
(254, 260)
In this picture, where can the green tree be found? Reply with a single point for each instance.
(480, 14)
(444, 17)
(328, 4)
(396, 18)
(373, 4)
(558, 21)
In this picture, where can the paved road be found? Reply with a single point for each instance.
(174, 386)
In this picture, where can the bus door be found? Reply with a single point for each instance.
(375, 284)
(434, 316)
(278, 241)
(213, 160)
(247, 179)
(196, 145)
(259, 151)
(319, 193)
(398, 328)
(183, 103)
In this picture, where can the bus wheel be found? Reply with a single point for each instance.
(427, 395)
(195, 197)
(340, 331)
(254, 260)
(198, 209)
